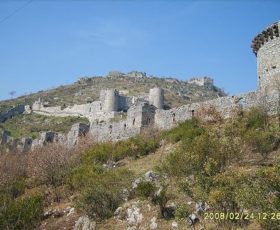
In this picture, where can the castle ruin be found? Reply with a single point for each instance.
(148, 110)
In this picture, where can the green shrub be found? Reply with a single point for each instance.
(182, 211)
(135, 146)
(145, 189)
(16, 188)
(187, 130)
(22, 213)
(262, 142)
(256, 118)
(99, 201)
(101, 190)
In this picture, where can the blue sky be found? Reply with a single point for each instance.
(44, 43)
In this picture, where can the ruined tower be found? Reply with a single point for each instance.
(266, 46)
(156, 97)
(111, 100)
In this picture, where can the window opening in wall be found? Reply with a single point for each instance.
(133, 122)
(110, 128)
(124, 126)
(192, 113)
(148, 120)
(173, 118)
(90, 109)
(274, 67)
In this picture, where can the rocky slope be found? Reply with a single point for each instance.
(87, 89)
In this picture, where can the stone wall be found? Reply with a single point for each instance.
(167, 119)
(77, 130)
(206, 82)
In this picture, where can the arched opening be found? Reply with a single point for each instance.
(124, 126)
(193, 113)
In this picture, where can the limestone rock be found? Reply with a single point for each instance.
(153, 224)
(174, 225)
(193, 219)
(134, 217)
(84, 223)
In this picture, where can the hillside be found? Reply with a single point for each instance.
(87, 89)
(189, 177)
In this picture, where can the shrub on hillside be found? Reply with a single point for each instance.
(50, 164)
(22, 213)
(145, 189)
(187, 130)
(182, 211)
(12, 167)
(134, 147)
(101, 190)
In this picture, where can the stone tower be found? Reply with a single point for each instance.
(111, 100)
(266, 46)
(156, 97)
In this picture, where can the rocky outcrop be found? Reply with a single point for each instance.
(12, 112)
(84, 223)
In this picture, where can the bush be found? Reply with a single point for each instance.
(99, 201)
(22, 213)
(51, 164)
(102, 191)
(262, 142)
(187, 130)
(134, 147)
(256, 118)
(145, 189)
(182, 211)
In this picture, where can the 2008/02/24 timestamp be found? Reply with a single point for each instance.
(241, 216)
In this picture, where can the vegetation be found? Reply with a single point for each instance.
(209, 158)
(32, 124)
(231, 165)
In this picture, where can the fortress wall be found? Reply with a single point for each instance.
(84, 109)
(167, 119)
(112, 131)
(77, 130)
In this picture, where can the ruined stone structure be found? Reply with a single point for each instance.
(111, 100)
(203, 81)
(156, 97)
(148, 111)
(266, 47)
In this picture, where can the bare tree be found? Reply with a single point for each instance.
(12, 93)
